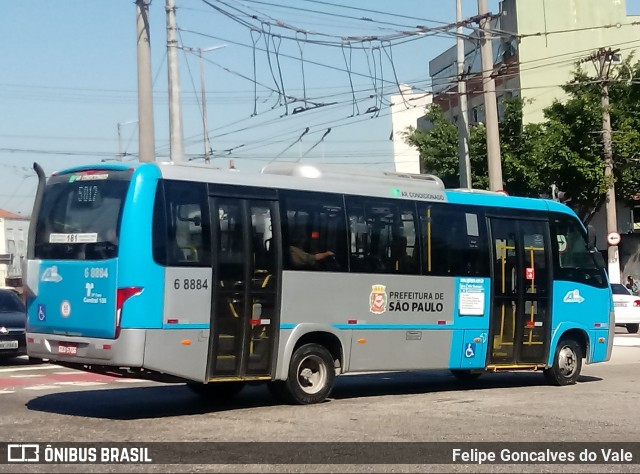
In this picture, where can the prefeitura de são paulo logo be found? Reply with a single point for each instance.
(378, 299)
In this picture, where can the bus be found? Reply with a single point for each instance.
(184, 273)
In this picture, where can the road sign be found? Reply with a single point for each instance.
(613, 238)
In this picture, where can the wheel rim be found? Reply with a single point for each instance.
(312, 374)
(567, 361)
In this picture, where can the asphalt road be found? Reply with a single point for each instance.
(47, 403)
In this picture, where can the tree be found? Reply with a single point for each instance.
(439, 150)
(565, 149)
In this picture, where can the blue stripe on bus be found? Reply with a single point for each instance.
(186, 326)
(392, 326)
(380, 326)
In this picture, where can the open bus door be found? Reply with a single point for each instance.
(245, 309)
(520, 318)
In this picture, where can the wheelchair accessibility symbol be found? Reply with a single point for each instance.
(42, 312)
(470, 351)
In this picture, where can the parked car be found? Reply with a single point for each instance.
(13, 320)
(627, 307)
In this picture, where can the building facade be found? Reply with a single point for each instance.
(407, 110)
(14, 230)
(536, 47)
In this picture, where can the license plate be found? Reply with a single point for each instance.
(67, 348)
(8, 344)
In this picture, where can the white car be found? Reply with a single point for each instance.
(627, 307)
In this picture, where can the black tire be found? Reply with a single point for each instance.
(567, 364)
(632, 328)
(466, 375)
(217, 392)
(35, 360)
(311, 376)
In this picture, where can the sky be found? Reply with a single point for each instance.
(295, 80)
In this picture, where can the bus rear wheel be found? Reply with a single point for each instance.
(311, 376)
(217, 392)
(567, 364)
(633, 328)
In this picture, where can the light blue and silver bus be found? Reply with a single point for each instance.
(298, 274)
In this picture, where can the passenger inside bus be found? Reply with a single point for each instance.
(400, 261)
(300, 258)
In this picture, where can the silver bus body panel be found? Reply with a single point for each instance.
(166, 352)
(186, 299)
(181, 346)
(400, 350)
(394, 322)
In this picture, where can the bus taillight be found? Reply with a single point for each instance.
(122, 295)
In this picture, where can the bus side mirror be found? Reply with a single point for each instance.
(597, 256)
(591, 236)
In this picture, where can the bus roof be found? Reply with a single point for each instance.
(306, 177)
(315, 178)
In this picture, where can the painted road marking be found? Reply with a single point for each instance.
(37, 367)
(42, 387)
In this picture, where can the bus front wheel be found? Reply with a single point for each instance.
(567, 363)
(633, 328)
(311, 376)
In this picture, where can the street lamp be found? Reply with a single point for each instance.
(207, 146)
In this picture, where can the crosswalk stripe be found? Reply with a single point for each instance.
(81, 384)
(42, 387)
(38, 367)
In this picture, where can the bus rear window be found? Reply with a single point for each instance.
(80, 216)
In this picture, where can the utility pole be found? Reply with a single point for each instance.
(146, 139)
(207, 145)
(490, 105)
(176, 138)
(602, 60)
(463, 119)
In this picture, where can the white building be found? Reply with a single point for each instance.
(407, 110)
(14, 230)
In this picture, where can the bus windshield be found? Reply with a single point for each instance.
(80, 215)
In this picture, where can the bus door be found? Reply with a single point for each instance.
(520, 316)
(244, 320)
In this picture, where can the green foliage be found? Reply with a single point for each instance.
(565, 149)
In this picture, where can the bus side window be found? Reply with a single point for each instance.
(313, 223)
(183, 210)
(573, 260)
(454, 240)
(382, 236)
